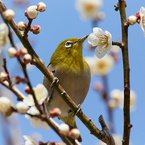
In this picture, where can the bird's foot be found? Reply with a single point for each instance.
(55, 81)
(78, 109)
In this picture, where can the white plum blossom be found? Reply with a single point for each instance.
(5, 104)
(22, 25)
(41, 7)
(102, 40)
(74, 133)
(133, 97)
(12, 52)
(35, 121)
(115, 49)
(22, 107)
(142, 19)
(31, 12)
(4, 39)
(115, 94)
(132, 19)
(64, 129)
(8, 14)
(89, 9)
(27, 58)
(101, 66)
(91, 61)
(41, 94)
(30, 140)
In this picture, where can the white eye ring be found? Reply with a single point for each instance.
(68, 44)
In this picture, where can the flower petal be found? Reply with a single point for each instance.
(35, 123)
(45, 126)
(92, 39)
(99, 52)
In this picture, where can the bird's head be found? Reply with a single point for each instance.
(69, 49)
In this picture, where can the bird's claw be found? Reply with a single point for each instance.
(78, 109)
(55, 81)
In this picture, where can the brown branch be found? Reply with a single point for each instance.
(106, 98)
(28, 28)
(6, 70)
(107, 137)
(14, 89)
(118, 44)
(126, 134)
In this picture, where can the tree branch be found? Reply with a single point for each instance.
(126, 134)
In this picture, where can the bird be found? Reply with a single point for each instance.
(73, 72)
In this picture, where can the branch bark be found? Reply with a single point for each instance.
(127, 125)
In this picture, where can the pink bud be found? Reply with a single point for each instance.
(31, 12)
(22, 26)
(54, 112)
(12, 52)
(3, 76)
(41, 7)
(98, 86)
(27, 58)
(24, 80)
(138, 17)
(27, 90)
(16, 80)
(23, 51)
(8, 14)
(74, 133)
(35, 29)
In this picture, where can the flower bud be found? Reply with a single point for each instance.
(5, 104)
(23, 51)
(27, 90)
(63, 128)
(31, 12)
(12, 52)
(22, 107)
(138, 17)
(3, 76)
(112, 104)
(54, 112)
(74, 133)
(35, 29)
(98, 86)
(132, 19)
(8, 14)
(41, 7)
(27, 58)
(24, 80)
(16, 80)
(22, 26)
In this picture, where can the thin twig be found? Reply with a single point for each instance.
(118, 44)
(107, 137)
(106, 98)
(15, 90)
(27, 29)
(6, 70)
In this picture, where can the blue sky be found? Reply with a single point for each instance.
(61, 21)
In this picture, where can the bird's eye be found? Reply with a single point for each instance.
(68, 44)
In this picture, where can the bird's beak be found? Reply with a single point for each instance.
(81, 40)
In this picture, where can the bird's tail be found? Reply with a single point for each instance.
(70, 120)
